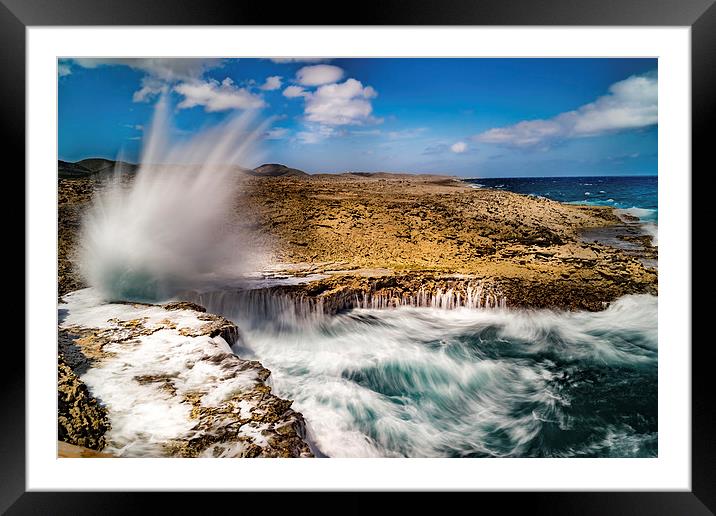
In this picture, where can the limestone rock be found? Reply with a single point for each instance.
(170, 384)
(81, 420)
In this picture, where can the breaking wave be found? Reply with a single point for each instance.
(426, 382)
(169, 228)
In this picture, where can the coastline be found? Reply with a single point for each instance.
(381, 240)
(163, 381)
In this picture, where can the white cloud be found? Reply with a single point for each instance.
(282, 60)
(151, 86)
(160, 72)
(216, 96)
(319, 74)
(630, 104)
(347, 103)
(272, 83)
(168, 69)
(63, 69)
(277, 133)
(458, 147)
(294, 91)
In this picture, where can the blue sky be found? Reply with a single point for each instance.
(467, 117)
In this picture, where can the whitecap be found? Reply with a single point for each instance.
(425, 382)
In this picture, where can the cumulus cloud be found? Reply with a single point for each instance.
(319, 74)
(629, 104)
(272, 83)
(160, 72)
(346, 103)
(216, 96)
(294, 91)
(150, 86)
(167, 69)
(458, 147)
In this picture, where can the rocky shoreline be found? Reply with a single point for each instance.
(135, 358)
(343, 291)
(376, 240)
(82, 420)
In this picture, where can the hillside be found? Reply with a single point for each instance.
(276, 170)
(91, 166)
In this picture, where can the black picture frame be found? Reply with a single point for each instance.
(700, 15)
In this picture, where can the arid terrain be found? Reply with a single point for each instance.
(390, 224)
(408, 225)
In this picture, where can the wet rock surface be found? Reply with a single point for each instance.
(628, 238)
(73, 197)
(346, 291)
(81, 419)
(178, 363)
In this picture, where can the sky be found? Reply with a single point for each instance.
(467, 117)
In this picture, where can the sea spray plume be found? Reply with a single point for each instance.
(173, 226)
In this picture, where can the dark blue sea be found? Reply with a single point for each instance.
(637, 195)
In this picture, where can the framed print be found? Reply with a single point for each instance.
(438, 249)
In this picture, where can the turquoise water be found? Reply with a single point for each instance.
(637, 194)
(430, 382)
(426, 382)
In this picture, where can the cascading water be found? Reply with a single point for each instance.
(172, 226)
(430, 377)
(286, 307)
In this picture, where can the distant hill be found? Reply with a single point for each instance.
(97, 165)
(276, 170)
(91, 166)
(69, 170)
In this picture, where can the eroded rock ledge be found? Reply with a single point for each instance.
(438, 290)
(169, 385)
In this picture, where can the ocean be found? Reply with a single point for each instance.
(427, 382)
(636, 195)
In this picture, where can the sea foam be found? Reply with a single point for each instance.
(426, 382)
(171, 227)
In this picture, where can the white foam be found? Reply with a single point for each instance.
(322, 366)
(646, 216)
(652, 230)
(173, 226)
(638, 212)
(145, 414)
